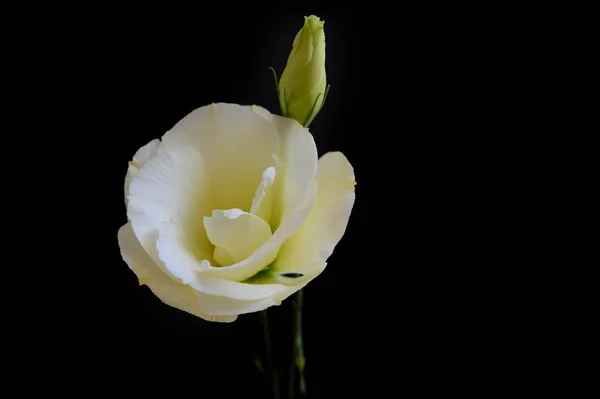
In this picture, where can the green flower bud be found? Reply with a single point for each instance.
(303, 84)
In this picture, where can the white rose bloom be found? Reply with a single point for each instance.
(232, 212)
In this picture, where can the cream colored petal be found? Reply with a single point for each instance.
(266, 254)
(262, 203)
(263, 112)
(237, 234)
(166, 289)
(307, 251)
(221, 288)
(224, 307)
(222, 257)
(175, 253)
(176, 256)
(296, 167)
(142, 156)
(237, 146)
(172, 187)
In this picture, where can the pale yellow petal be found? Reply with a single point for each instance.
(175, 254)
(307, 251)
(169, 291)
(263, 112)
(142, 156)
(237, 146)
(172, 187)
(296, 166)
(294, 193)
(262, 203)
(266, 254)
(236, 234)
(227, 306)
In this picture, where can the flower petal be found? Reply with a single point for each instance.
(307, 251)
(296, 170)
(142, 156)
(294, 193)
(166, 289)
(172, 187)
(236, 234)
(296, 167)
(224, 307)
(267, 253)
(176, 256)
(237, 146)
(263, 112)
(262, 202)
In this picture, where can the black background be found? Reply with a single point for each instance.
(394, 308)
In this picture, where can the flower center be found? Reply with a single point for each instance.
(235, 235)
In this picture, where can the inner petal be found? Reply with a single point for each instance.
(236, 144)
(263, 198)
(296, 167)
(235, 234)
(266, 254)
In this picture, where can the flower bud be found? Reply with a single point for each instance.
(302, 86)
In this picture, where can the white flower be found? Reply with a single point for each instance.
(231, 212)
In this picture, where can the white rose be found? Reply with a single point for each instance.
(231, 212)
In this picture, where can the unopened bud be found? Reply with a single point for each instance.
(303, 84)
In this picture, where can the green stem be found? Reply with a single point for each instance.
(298, 359)
(273, 373)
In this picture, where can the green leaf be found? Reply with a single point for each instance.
(276, 80)
(312, 110)
(324, 97)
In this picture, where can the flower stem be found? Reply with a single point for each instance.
(298, 360)
(272, 372)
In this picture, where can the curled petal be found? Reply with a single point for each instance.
(296, 169)
(266, 254)
(142, 156)
(307, 251)
(165, 288)
(177, 256)
(171, 188)
(235, 234)
(262, 202)
(229, 306)
(237, 146)
(294, 193)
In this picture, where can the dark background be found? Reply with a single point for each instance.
(396, 308)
